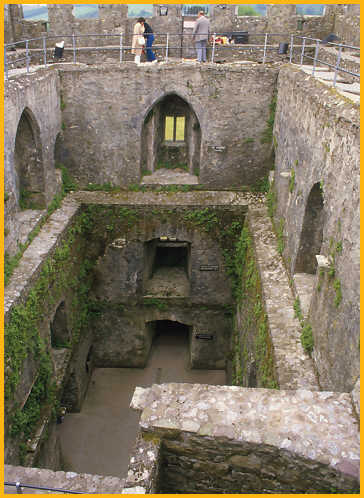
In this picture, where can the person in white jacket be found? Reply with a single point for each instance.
(201, 31)
(136, 47)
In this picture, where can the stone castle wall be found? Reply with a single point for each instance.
(113, 19)
(221, 439)
(317, 142)
(102, 134)
(39, 95)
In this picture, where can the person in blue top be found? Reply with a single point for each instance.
(149, 39)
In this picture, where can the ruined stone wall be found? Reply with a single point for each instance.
(347, 24)
(38, 94)
(105, 108)
(317, 142)
(113, 19)
(125, 301)
(53, 270)
(220, 439)
(70, 481)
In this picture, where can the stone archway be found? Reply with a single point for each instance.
(171, 137)
(311, 234)
(29, 163)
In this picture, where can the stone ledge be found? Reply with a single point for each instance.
(37, 252)
(71, 481)
(293, 365)
(315, 426)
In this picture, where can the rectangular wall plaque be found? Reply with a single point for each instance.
(204, 337)
(209, 267)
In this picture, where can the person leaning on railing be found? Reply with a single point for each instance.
(149, 39)
(136, 46)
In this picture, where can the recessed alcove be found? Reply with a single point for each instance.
(167, 268)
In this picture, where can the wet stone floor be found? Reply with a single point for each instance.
(99, 439)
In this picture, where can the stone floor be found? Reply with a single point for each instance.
(164, 176)
(98, 440)
(304, 283)
(168, 282)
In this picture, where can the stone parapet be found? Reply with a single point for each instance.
(70, 481)
(35, 255)
(237, 440)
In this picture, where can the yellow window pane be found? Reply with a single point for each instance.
(168, 135)
(180, 128)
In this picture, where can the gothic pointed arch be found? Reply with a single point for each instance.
(28, 162)
(311, 234)
(171, 136)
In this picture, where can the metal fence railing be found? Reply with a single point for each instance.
(261, 43)
(18, 486)
(315, 59)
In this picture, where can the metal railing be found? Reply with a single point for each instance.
(19, 487)
(269, 44)
(336, 67)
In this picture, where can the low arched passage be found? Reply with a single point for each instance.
(170, 342)
(311, 234)
(29, 163)
(171, 136)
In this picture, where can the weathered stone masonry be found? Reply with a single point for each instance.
(105, 109)
(193, 438)
(317, 137)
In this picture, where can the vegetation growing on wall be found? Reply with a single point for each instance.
(66, 272)
(267, 136)
(254, 320)
(11, 262)
(306, 333)
(292, 180)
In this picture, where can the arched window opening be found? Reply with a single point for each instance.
(28, 163)
(171, 137)
(59, 331)
(311, 234)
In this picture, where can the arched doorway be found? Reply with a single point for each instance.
(28, 163)
(171, 137)
(170, 349)
(311, 234)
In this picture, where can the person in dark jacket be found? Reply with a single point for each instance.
(149, 39)
(200, 33)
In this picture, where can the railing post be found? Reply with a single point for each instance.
(265, 47)
(74, 47)
(315, 58)
(44, 51)
(303, 50)
(18, 488)
(337, 63)
(213, 47)
(27, 55)
(6, 63)
(167, 47)
(291, 50)
(121, 47)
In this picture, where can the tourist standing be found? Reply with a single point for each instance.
(138, 33)
(149, 38)
(201, 31)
